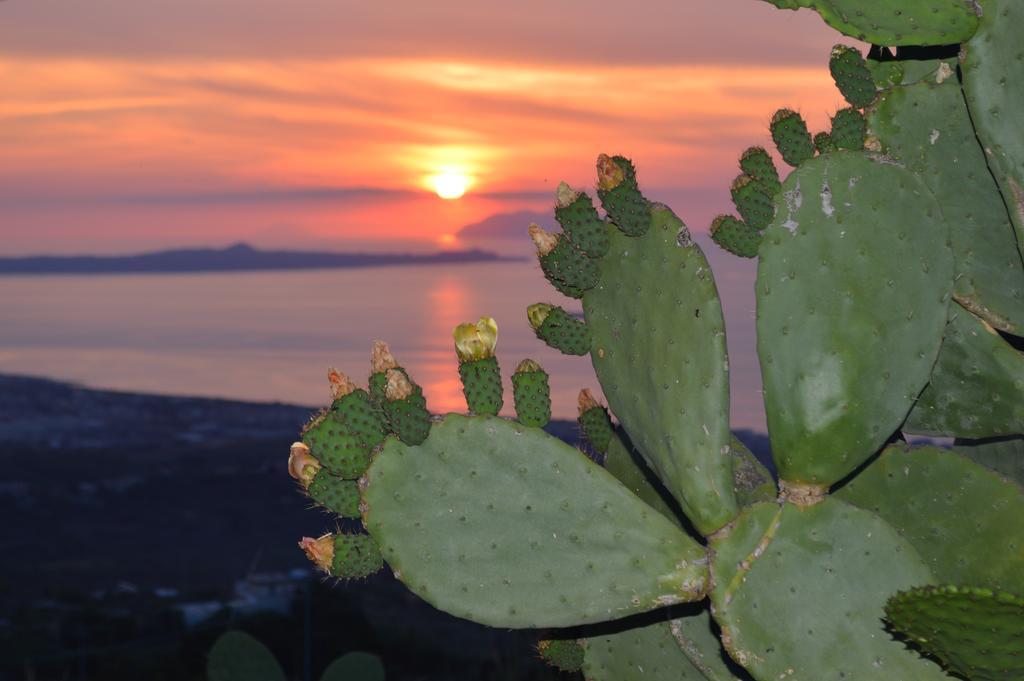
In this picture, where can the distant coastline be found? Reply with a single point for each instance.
(237, 258)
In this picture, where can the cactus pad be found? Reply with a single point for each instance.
(977, 384)
(936, 500)
(927, 127)
(508, 526)
(841, 371)
(596, 426)
(823, 143)
(357, 666)
(532, 394)
(340, 452)
(566, 655)
(1004, 455)
(481, 384)
(578, 218)
(237, 656)
(560, 330)
(360, 416)
(850, 72)
(848, 129)
(658, 346)
(799, 594)
(754, 204)
(896, 22)
(756, 163)
(620, 196)
(992, 63)
(735, 236)
(791, 137)
(645, 653)
(751, 481)
(629, 468)
(344, 555)
(975, 633)
(334, 494)
(567, 268)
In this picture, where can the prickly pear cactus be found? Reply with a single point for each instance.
(890, 300)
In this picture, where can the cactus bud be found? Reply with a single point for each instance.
(302, 465)
(382, 359)
(527, 365)
(320, 551)
(537, 313)
(398, 386)
(341, 384)
(587, 401)
(544, 241)
(565, 195)
(609, 173)
(476, 341)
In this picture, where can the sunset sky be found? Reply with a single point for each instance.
(133, 125)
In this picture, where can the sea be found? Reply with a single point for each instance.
(270, 336)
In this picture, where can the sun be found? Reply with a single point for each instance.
(450, 184)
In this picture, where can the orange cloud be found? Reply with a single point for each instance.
(126, 136)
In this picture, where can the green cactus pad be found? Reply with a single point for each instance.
(791, 137)
(942, 502)
(850, 72)
(568, 268)
(756, 163)
(532, 396)
(823, 143)
(977, 384)
(355, 556)
(1004, 455)
(755, 206)
(852, 294)
(643, 653)
(624, 203)
(735, 236)
(563, 332)
(597, 428)
(361, 417)
(896, 22)
(566, 655)
(885, 73)
(628, 468)
(481, 384)
(335, 494)
(337, 450)
(976, 633)
(409, 418)
(697, 637)
(237, 656)
(799, 594)
(584, 226)
(992, 64)
(751, 481)
(357, 666)
(658, 346)
(927, 127)
(507, 526)
(848, 129)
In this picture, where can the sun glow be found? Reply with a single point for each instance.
(450, 184)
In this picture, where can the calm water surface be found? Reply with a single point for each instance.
(269, 336)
